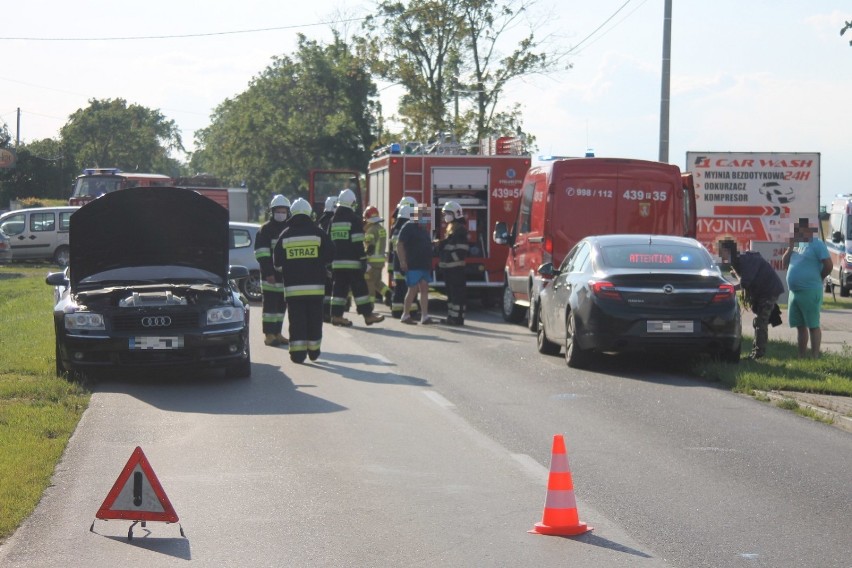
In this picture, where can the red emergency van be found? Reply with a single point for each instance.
(566, 200)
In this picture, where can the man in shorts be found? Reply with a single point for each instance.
(414, 249)
(808, 263)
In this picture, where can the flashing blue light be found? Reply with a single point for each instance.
(395, 148)
(590, 153)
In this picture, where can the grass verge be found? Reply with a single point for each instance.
(781, 369)
(38, 411)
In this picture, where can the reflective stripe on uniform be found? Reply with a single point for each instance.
(262, 252)
(304, 290)
(272, 318)
(299, 345)
(361, 300)
(346, 265)
(276, 287)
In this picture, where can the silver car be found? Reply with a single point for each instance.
(39, 233)
(241, 252)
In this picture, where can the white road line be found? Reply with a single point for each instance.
(438, 399)
(381, 358)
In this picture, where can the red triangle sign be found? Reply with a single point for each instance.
(137, 494)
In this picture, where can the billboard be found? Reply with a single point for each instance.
(7, 158)
(753, 196)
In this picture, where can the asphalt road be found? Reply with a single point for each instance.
(430, 446)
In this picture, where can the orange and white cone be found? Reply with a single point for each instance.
(560, 508)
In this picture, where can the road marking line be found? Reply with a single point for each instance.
(438, 399)
(535, 470)
(381, 358)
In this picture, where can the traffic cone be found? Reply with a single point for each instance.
(560, 508)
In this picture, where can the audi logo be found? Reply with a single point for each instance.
(156, 321)
(668, 288)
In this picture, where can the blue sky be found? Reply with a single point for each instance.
(745, 76)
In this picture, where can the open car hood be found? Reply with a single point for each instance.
(149, 226)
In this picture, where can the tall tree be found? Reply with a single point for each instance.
(314, 109)
(416, 44)
(40, 171)
(445, 51)
(111, 133)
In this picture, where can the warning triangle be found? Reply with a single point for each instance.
(137, 494)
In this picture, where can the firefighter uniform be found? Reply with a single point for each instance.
(324, 223)
(375, 243)
(452, 252)
(301, 255)
(347, 235)
(274, 304)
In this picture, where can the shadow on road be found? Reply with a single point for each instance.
(269, 391)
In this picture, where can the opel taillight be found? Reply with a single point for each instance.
(725, 293)
(604, 290)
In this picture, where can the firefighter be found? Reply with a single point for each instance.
(300, 256)
(324, 222)
(274, 304)
(347, 234)
(375, 242)
(452, 252)
(400, 288)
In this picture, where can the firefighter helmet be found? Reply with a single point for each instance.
(347, 199)
(407, 200)
(453, 208)
(371, 214)
(330, 204)
(405, 212)
(279, 201)
(301, 207)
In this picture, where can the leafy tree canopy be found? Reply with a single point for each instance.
(111, 133)
(315, 109)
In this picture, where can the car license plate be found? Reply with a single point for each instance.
(657, 326)
(151, 342)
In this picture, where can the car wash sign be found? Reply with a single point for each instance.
(752, 196)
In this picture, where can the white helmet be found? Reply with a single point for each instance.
(347, 199)
(405, 212)
(279, 201)
(410, 201)
(330, 204)
(301, 207)
(453, 208)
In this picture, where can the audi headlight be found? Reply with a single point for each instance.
(228, 314)
(84, 321)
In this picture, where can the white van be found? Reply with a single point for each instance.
(839, 243)
(38, 234)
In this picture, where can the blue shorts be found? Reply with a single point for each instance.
(413, 277)
(803, 308)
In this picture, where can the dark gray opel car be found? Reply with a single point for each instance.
(149, 285)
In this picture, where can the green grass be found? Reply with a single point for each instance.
(38, 411)
(781, 369)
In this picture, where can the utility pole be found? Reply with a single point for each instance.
(665, 88)
(18, 133)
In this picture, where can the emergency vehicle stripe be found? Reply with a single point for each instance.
(262, 252)
(299, 345)
(304, 290)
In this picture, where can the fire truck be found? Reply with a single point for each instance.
(485, 181)
(94, 182)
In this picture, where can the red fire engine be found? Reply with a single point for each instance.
(487, 184)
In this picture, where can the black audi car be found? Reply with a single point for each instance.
(149, 285)
(619, 293)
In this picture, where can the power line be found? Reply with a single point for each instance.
(585, 39)
(594, 41)
(181, 36)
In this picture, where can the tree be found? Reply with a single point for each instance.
(314, 109)
(848, 26)
(111, 133)
(447, 50)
